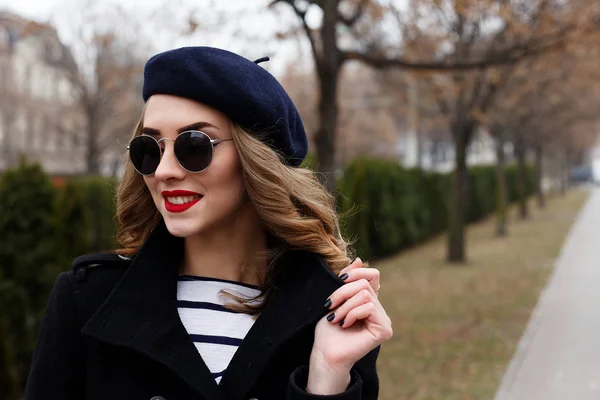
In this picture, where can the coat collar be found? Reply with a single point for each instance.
(141, 313)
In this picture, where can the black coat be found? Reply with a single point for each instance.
(112, 331)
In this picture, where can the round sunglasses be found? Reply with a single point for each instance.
(193, 151)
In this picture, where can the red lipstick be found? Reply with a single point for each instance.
(177, 208)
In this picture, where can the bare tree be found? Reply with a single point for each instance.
(547, 108)
(106, 78)
(463, 32)
(366, 19)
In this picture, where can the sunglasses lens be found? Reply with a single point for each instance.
(193, 150)
(144, 153)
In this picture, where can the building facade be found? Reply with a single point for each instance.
(38, 114)
(435, 151)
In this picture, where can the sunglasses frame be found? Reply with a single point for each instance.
(213, 143)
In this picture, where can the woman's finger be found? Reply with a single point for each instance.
(362, 297)
(379, 326)
(372, 275)
(357, 263)
(347, 291)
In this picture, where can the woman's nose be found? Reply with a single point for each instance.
(169, 168)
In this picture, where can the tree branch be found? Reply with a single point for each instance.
(509, 57)
(302, 15)
(356, 16)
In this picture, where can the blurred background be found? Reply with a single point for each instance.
(456, 135)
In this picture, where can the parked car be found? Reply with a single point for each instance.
(583, 174)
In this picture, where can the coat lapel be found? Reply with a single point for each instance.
(141, 313)
(304, 282)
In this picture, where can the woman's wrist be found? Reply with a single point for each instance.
(324, 379)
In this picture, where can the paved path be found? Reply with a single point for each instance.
(558, 357)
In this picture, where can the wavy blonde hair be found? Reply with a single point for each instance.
(295, 209)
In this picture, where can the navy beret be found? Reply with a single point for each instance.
(234, 85)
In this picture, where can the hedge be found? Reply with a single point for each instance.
(388, 208)
(29, 264)
(42, 228)
(98, 197)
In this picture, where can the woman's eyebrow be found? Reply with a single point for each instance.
(195, 126)
(150, 131)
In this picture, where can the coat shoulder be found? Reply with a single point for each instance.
(302, 264)
(95, 276)
(95, 265)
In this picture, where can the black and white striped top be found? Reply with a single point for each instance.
(216, 331)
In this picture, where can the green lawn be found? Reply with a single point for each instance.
(456, 327)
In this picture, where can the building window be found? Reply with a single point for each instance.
(28, 80)
(56, 52)
(4, 39)
(35, 133)
(4, 75)
(476, 147)
(21, 129)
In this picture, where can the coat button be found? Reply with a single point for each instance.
(157, 398)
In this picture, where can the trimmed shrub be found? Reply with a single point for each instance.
(481, 192)
(98, 217)
(310, 162)
(42, 228)
(73, 223)
(388, 208)
(29, 264)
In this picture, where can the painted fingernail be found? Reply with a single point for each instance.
(342, 322)
(328, 303)
(330, 317)
(344, 276)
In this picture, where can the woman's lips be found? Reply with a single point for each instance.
(177, 201)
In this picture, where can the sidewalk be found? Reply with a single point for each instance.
(558, 357)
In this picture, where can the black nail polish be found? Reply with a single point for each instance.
(342, 322)
(328, 304)
(330, 317)
(344, 276)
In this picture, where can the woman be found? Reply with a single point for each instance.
(233, 281)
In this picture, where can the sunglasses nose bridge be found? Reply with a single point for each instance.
(168, 166)
(164, 146)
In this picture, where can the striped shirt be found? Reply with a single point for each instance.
(216, 331)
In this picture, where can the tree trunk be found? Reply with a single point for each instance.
(92, 156)
(414, 118)
(539, 174)
(564, 173)
(328, 68)
(458, 196)
(501, 192)
(521, 178)
(325, 136)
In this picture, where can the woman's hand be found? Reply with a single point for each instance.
(357, 324)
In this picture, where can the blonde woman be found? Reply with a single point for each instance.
(233, 281)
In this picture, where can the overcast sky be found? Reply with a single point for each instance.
(257, 24)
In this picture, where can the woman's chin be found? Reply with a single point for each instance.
(182, 229)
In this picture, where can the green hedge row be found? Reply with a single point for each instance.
(28, 266)
(43, 226)
(91, 200)
(388, 208)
